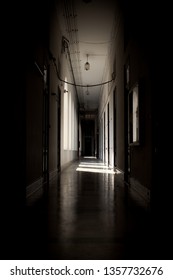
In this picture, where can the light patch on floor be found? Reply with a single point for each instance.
(95, 170)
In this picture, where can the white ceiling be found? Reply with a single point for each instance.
(88, 28)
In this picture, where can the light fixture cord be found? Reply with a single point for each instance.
(74, 84)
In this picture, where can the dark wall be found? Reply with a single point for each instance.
(34, 123)
(140, 43)
(25, 32)
(149, 28)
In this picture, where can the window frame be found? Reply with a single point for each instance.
(131, 116)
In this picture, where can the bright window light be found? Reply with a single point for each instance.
(72, 125)
(89, 157)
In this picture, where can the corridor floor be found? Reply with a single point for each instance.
(85, 213)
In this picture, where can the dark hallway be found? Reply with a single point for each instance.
(86, 151)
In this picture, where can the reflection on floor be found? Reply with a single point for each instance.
(85, 213)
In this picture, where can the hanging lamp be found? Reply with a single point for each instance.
(87, 65)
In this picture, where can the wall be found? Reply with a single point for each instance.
(69, 112)
(136, 53)
(69, 115)
(34, 101)
(23, 127)
(46, 51)
(34, 44)
(129, 46)
(55, 51)
(114, 65)
(119, 85)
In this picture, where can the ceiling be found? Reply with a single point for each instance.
(88, 27)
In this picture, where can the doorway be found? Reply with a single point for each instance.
(88, 137)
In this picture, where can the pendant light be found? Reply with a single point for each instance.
(87, 65)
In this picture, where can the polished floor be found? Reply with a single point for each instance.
(85, 213)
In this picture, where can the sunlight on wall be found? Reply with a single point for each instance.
(72, 125)
(75, 129)
(70, 120)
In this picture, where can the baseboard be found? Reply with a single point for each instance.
(52, 174)
(38, 184)
(139, 193)
(119, 173)
(34, 187)
(64, 166)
